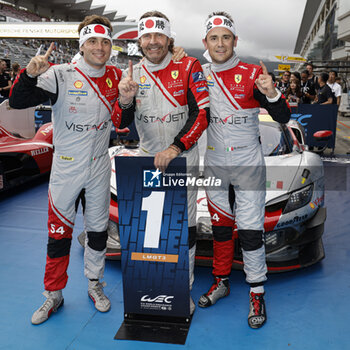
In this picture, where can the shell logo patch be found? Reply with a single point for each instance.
(109, 82)
(238, 78)
(143, 79)
(174, 74)
(210, 81)
(78, 84)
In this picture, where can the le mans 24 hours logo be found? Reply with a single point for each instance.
(155, 179)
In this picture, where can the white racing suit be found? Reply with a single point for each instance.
(82, 100)
(234, 155)
(172, 107)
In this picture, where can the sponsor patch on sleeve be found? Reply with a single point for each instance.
(198, 76)
(202, 88)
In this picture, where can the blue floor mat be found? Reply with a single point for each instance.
(307, 309)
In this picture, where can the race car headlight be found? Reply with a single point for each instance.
(298, 199)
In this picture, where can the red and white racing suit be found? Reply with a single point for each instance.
(172, 107)
(82, 100)
(234, 155)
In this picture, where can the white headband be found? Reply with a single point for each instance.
(154, 25)
(219, 21)
(94, 30)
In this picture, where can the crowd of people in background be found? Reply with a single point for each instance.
(64, 51)
(299, 87)
(305, 87)
(7, 77)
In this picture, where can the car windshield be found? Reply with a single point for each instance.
(273, 139)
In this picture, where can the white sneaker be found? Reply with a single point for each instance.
(97, 295)
(54, 300)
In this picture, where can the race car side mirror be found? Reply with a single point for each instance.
(296, 148)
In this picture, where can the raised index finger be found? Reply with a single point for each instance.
(264, 69)
(50, 49)
(130, 70)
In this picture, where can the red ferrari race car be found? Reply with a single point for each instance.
(22, 159)
(294, 210)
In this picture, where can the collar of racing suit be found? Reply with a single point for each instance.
(90, 71)
(152, 67)
(232, 62)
